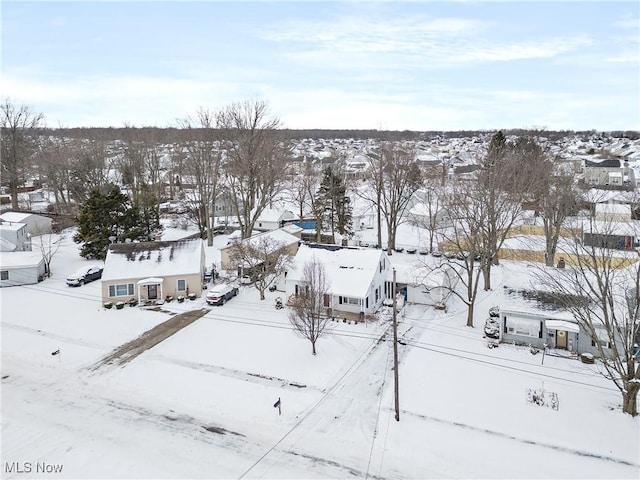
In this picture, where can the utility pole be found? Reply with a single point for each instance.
(395, 348)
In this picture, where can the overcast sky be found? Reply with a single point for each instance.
(345, 65)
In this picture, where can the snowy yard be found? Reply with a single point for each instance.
(200, 404)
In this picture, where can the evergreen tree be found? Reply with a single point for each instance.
(334, 203)
(148, 208)
(107, 215)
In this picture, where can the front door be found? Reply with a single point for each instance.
(561, 339)
(152, 292)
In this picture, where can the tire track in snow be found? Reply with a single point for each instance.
(339, 383)
(235, 374)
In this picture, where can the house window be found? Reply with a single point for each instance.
(4, 275)
(121, 290)
(527, 328)
(351, 300)
(182, 285)
(603, 339)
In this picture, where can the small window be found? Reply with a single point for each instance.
(4, 275)
(182, 285)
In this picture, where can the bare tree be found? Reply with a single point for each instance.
(509, 176)
(17, 144)
(463, 244)
(49, 245)
(201, 162)
(301, 185)
(611, 313)
(401, 177)
(256, 158)
(374, 184)
(90, 167)
(261, 258)
(431, 195)
(307, 310)
(140, 166)
(557, 203)
(54, 166)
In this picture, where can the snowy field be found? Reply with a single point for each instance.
(200, 404)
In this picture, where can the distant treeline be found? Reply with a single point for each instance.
(171, 134)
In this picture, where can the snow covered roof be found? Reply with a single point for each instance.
(153, 259)
(535, 302)
(629, 228)
(613, 208)
(277, 236)
(421, 209)
(274, 215)
(20, 259)
(349, 271)
(7, 246)
(15, 216)
(595, 195)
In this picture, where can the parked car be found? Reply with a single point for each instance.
(220, 294)
(84, 275)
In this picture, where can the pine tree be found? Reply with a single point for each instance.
(107, 215)
(335, 204)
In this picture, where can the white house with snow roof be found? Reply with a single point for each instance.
(531, 317)
(428, 281)
(21, 268)
(150, 271)
(273, 218)
(287, 237)
(356, 276)
(14, 237)
(36, 224)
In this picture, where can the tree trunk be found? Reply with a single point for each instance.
(549, 256)
(14, 194)
(313, 347)
(391, 240)
(379, 225)
(470, 316)
(486, 277)
(629, 398)
(262, 297)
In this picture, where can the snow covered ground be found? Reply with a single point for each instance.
(200, 404)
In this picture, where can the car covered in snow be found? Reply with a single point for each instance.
(84, 275)
(220, 294)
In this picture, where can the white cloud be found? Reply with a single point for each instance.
(440, 42)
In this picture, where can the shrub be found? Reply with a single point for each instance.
(168, 298)
(108, 305)
(180, 298)
(192, 296)
(120, 305)
(133, 302)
